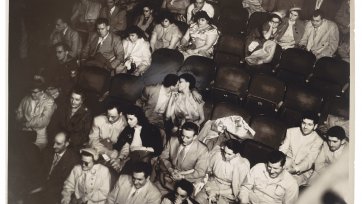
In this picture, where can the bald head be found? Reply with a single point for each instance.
(61, 142)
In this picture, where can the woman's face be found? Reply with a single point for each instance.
(165, 23)
(183, 85)
(275, 22)
(147, 12)
(132, 120)
(293, 15)
(133, 37)
(202, 22)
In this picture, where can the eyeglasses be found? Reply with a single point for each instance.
(85, 163)
(146, 11)
(276, 22)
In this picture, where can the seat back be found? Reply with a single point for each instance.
(126, 87)
(94, 79)
(335, 106)
(255, 151)
(226, 109)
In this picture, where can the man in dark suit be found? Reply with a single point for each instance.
(116, 16)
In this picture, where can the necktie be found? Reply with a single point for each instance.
(55, 162)
(181, 155)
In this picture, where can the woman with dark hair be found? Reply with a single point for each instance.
(182, 106)
(145, 21)
(165, 34)
(200, 38)
(139, 141)
(137, 53)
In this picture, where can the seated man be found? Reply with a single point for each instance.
(35, 111)
(302, 145)
(87, 182)
(199, 5)
(103, 49)
(269, 183)
(74, 118)
(135, 188)
(116, 16)
(227, 171)
(106, 129)
(181, 195)
(321, 36)
(332, 149)
(64, 33)
(184, 157)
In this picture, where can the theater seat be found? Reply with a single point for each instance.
(126, 87)
(255, 151)
(226, 109)
(233, 20)
(229, 50)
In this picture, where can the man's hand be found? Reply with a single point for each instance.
(116, 164)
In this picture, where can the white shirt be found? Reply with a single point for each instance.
(207, 7)
(318, 4)
(112, 9)
(100, 39)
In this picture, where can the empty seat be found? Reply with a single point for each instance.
(255, 151)
(265, 94)
(226, 109)
(297, 100)
(268, 130)
(233, 20)
(202, 68)
(164, 61)
(231, 84)
(295, 65)
(230, 49)
(126, 87)
(330, 76)
(337, 107)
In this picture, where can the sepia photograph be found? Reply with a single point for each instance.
(179, 102)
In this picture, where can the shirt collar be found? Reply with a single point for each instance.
(112, 9)
(65, 30)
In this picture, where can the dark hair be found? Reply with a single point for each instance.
(37, 84)
(64, 19)
(170, 80)
(79, 91)
(190, 126)
(138, 113)
(185, 185)
(144, 167)
(277, 156)
(114, 104)
(233, 144)
(273, 15)
(62, 44)
(135, 29)
(100, 21)
(87, 154)
(189, 78)
(317, 13)
(165, 15)
(311, 116)
(148, 5)
(202, 14)
(336, 131)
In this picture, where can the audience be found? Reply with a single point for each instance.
(145, 21)
(177, 8)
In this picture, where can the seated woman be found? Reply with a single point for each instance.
(200, 38)
(177, 7)
(182, 106)
(291, 30)
(165, 34)
(227, 171)
(145, 21)
(260, 44)
(139, 141)
(137, 53)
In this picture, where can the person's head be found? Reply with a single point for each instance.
(199, 4)
(189, 132)
(275, 163)
(61, 23)
(134, 33)
(275, 20)
(230, 149)
(135, 116)
(183, 189)
(317, 18)
(170, 81)
(294, 13)
(102, 26)
(88, 158)
(336, 137)
(110, 3)
(166, 19)
(114, 112)
(309, 122)
(61, 51)
(202, 18)
(77, 97)
(147, 10)
(141, 172)
(186, 82)
(37, 89)
(61, 142)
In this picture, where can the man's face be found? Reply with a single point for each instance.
(113, 115)
(76, 100)
(334, 143)
(180, 194)
(110, 3)
(36, 94)
(274, 170)
(307, 126)
(199, 4)
(187, 136)
(147, 12)
(102, 30)
(60, 53)
(139, 179)
(60, 143)
(317, 21)
(228, 154)
(60, 25)
(87, 163)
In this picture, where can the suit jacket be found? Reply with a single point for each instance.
(54, 182)
(196, 158)
(325, 43)
(148, 194)
(71, 38)
(328, 7)
(111, 49)
(117, 20)
(148, 102)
